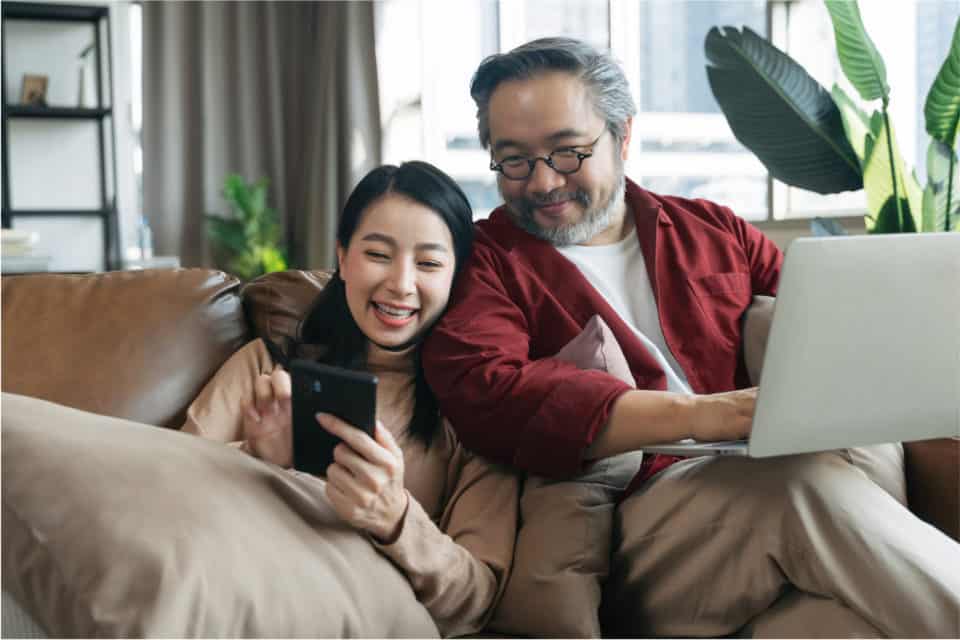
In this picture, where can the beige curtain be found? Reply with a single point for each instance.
(285, 90)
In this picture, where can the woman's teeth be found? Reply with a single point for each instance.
(393, 311)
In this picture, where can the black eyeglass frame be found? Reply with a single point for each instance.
(548, 160)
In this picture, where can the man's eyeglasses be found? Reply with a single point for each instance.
(564, 161)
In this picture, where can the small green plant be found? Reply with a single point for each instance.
(824, 141)
(248, 242)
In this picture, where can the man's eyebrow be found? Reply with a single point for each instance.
(422, 246)
(553, 138)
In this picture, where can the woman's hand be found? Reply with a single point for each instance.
(722, 416)
(365, 481)
(267, 419)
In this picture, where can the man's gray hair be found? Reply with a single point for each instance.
(599, 71)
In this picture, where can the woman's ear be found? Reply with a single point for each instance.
(341, 252)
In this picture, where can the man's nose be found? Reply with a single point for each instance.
(544, 179)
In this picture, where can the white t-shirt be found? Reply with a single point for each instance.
(618, 273)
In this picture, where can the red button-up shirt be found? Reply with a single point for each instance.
(519, 301)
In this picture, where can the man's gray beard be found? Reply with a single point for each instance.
(594, 220)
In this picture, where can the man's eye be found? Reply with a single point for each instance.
(513, 161)
(565, 153)
(376, 255)
(430, 264)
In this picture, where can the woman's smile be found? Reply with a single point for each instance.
(394, 315)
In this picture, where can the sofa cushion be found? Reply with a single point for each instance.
(276, 302)
(132, 344)
(563, 547)
(112, 528)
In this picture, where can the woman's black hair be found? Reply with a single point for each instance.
(330, 324)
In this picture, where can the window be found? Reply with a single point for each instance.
(682, 145)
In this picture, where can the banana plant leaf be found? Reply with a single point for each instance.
(859, 58)
(775, 109)
(883, 215)
(855, 122)
(942, 109)
(939, 167)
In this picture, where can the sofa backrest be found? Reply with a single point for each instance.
(138, 345)
(276, 302)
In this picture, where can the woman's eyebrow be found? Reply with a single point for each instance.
(422, 246)
(431, 246)
(380, 237)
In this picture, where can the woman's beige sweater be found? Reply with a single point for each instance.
(457, 539)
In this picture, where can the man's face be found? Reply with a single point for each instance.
(546, 113)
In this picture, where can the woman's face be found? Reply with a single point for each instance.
(397, 270)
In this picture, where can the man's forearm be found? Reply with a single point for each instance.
(641, 418)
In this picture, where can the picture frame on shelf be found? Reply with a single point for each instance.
(34, 90)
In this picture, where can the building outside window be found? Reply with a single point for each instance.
(682, 145)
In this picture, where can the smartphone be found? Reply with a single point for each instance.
(349, 395)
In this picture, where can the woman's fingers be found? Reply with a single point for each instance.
(346, 484)
(386, 439)
(357, 465)
(357, 440)
(263, 394)
(280, 385)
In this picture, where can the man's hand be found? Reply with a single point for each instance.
(267, 423)
(722, 416)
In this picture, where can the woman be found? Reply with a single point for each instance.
(446, 518)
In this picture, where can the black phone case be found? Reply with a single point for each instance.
(349, 395)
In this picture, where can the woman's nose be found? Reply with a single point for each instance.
(403, 277)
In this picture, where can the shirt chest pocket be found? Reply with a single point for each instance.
(722, 298)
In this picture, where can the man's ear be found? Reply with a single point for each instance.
(627, 131)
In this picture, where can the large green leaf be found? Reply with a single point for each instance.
(859, 58)
(941, 161)
(780, 113)
(942, 109)
(855, 121)
(883, 215)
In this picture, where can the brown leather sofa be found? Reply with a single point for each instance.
(140, 345)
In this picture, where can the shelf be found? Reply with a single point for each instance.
(74, 113)
(47, 213)
(64, 12)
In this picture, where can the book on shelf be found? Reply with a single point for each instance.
(19, 252)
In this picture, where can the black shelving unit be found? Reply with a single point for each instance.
(102, 115)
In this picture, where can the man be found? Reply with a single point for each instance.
(705, 544)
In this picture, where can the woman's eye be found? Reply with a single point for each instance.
(430, 264)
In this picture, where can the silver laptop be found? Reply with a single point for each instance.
(864, 348)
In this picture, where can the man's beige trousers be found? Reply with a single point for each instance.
(710, 543)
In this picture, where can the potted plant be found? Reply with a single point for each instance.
(248, 242)
(824, 141)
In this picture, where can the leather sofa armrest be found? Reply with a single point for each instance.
(933, 482)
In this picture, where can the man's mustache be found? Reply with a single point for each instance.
(529, 203)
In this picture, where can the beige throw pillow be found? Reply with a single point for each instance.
(112, 528)
(563, 549)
